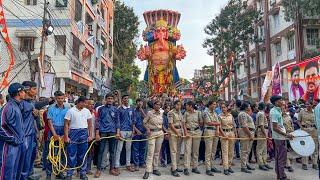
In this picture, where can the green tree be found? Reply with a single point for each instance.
(294, 8)
(125, 72)
(230, 33)
(296, 11)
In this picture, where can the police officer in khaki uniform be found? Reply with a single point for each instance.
(192, 120)
(307, 120)
(288, 125)
(175, 141)
(227, 142)
(153, 123)
(246, 130)
(211, 124)
(262, 132)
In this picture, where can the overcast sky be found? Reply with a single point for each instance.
(195, 15)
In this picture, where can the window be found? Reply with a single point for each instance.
(312, 36)
(61, 3)
(27, 44)
(278, 49)
(60, 44)
(261, 32)
(291, 43)
(276, 20)
(78, 11)
(31, 2)
(262, 57)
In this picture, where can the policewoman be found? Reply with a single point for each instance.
(262, 132)
(211, 125)
(175, 139)
(307, 120)
(227, 129)
(77, 128)
(153, 123)
(246, 131)
(192, 120)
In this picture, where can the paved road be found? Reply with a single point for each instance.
(298, 174)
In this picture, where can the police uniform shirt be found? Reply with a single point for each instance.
(227, 122)
(210, 116)
(306, 118)
(287, 122)
(192, 120)
(245, 120)
(261, 121)
(153, 120)
(175, 118)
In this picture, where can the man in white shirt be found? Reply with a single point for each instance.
(77, 128)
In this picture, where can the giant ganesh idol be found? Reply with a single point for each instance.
(161, 52)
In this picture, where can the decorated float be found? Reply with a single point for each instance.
(161, 51)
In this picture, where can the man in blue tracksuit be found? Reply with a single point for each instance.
(139, 148)
(28, 112)
(77, 127)
(12, 134)
(56, 114)
(106, 126)
(125, 124)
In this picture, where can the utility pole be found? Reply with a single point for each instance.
(42, 47)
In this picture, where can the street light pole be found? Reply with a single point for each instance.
(42, 47)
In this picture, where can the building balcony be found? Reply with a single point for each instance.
(90, 43)
(90, 8)
(102, 23)
(80, 30)
(79, 67)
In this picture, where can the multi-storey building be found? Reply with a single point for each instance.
(78, 53)
(279, 41)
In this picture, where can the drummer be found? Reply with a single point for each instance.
(307, 120)
(279, 136)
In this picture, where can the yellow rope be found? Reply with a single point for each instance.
(56, 158)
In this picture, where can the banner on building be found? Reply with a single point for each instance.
(48, 82)
(304, 80)
(266, 84)
(276, 80)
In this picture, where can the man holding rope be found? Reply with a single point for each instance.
(77, 128)
(56, 114)
(279, 136)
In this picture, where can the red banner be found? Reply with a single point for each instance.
(304, 80)
(5, 35)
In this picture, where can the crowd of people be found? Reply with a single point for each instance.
(150, 133)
